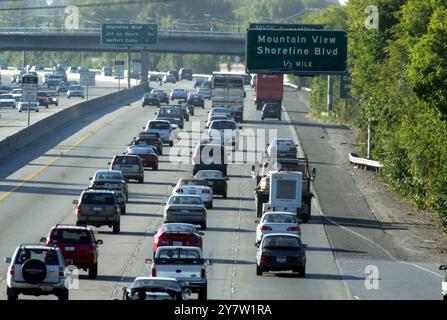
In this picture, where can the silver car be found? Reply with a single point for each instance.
(186, 209)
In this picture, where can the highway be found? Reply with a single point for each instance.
(12, 121)
(45, 198)
(37, 189)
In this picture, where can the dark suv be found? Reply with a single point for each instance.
(271, 110)
(185, 74)
(77, 244)
(210, 157)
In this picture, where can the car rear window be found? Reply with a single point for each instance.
(193, 183)
(279, 218)
(98, 198)
(159, 125)
(172, 227)
(126, 160)
(284, 142)
(108, 175)
(178, 254)
(222, 125)
(107, 185)
(185, 200)
(210, 175)
(281, 242)
(47, 256)
(62, 236)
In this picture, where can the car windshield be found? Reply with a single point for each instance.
(70, 236)
(108, 175)
(46, 256)
(185, 200)
(210, 175)
(170, 284)
(178, 254)
(159, 125)
(193, 182)
(222, 125)
(281, 242)
(283, 143)
(97, 198)
(126, 160)
(279, 218)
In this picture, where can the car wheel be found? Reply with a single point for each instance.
(142, 105)
(68, 97)
(80, 224)
(123, 212)
(141, 180)
(171, 143)
(155, 168)
(116, 227)
(63, 295)
(11, 294)
(225, 195)
(37, 110)
(57, 104)
(262, 118)
(258, 271)
(203, 293)
(302, 272)
(93, 271)
(20, 110)
(211, 204)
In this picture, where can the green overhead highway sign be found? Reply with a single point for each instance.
(129, 34)
(284, 26)
(303, 52)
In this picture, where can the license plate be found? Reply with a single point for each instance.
(184, 211)
(97, 209)
(46, 288)
(192, 191)
(281, 259)
(178, 243)
(70, 249)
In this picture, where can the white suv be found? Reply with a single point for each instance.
(36, 270)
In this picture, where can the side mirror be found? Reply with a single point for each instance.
(268, 144)
(75, 201)
(304, 245)
(443, 267)
(240, 128)
(7, 260)
(91, 178)
(43, 239)
(226, 178)
(99, 242)
(144, 128)
(148, 261)
(108, 163)
(256, 245)
(209, 262)
(314, 173)
(202, 234)
(256, 221)
(124, 289)
(162, 203)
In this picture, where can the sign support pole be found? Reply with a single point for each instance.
(329, 94)
(87, 92)
(128, 67)
(29, 112)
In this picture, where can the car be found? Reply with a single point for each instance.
(169, 78)
(185, 110)
(111, 175)
(207, 83)
(52, 80)
(226, 130)
(36, 270)
(221, 111)
(177, 234)
(281, 252)
(215, 117)
(216, 180)
(23, 105)
(210, 140)
(62, 87)
(163, 128)
(205, 92)
(151, 99)
(17, 94)
(130, 165)
(107, 71)
(72, 70)
(174, 127)
(186, 264)
(42, 98)
(173, 73)
(172, 112)
(154, 288)
(52, 98)
(7, 100)
(154, 77)
(98, 208)
(179, 94)
(185, 74)
(149, 139)
(75, 91)
(196, 100)
(444, 282)
(282, 148)
(271, 110)
(162, 95)
(209, 156)
(195, 187)
(116, 186)
(78, 244)
(186, 208)
(187, 106)
(146, 154)
(277, 222)
(198, 82)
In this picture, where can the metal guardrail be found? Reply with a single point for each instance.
(161, 32)
(354, 158)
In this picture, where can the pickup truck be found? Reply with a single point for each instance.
(186, 264)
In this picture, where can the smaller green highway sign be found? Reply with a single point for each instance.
(129, 34)
(284, 26)
(345, 85)
(302, 52)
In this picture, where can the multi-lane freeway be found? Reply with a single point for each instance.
(37, 190)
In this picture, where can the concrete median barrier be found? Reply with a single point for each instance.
(32, 134)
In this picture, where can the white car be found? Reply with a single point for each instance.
(17, 94)
(444, 282)
(280, 148)
(75, 91)
(213, 117)
(36, 270)
(164, 129)
(197, 187)
(220, 111)
(277, 222)
(154, 288)
(24, 106)
(205, 92)
(226, 129)
(7, 100)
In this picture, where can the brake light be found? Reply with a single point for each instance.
(179, 190)
(158, 141)
(266, 228)
(296, 259)
(61, 272)
(293, 229)
(12, 270)
(263, 259)
(78, 209)
(153, 272)
(203, 273)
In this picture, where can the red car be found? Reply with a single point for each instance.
(42, 98)
(177, 234)
(78, 244)
(147, 155)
